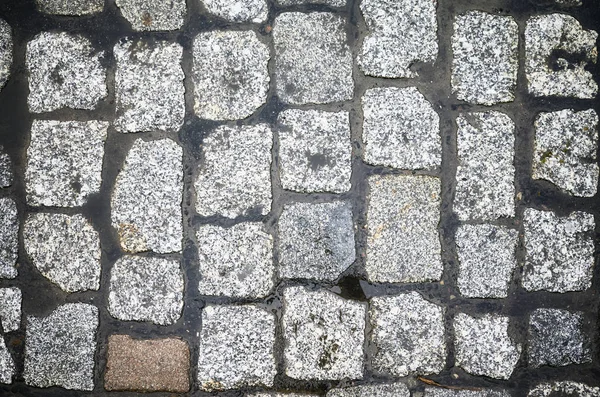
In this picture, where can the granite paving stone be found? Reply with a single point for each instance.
(330, 3)
(7, 364)
(6, 171)
(152, 15)
(275, 394)
(437, 392)
(255, 11)
(568, 3)
(376, 390)
(70, 7)
(6, 52)
(10, 308)
(564, 388)
(9, 238)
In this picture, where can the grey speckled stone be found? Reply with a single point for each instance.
(401, 129)
(324, 335)
(330, 3)
(546, 34)
(6, 171)
(146, 202)
(149, 15)
(7, 364)
(437, 392)
(567, 389)
(60, 348)
(9, 238)
(408, 335)
(146, 289)
(313, 63)
(70, 7)
(568, 3)
(275, 394)
(565, 150)
(6, 52)
(238, 10)
(236, 348)
(230, 74)
(483, 346)
(381, 390)
(65, 249)
(403, 243)
(559, 251)
(485, 62)
(65, 71)
(10, 308)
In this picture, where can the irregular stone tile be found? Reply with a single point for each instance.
(10, 309)
(235, 176)
(323, 334)
(401, 129)
(401, 32)
(437, 392)
(236, 348)
(6, 172)
(485, 61)
(485, 175)
(407, 341)
(230, 74)
(255, 11)
(65, 249)
(550, 41)
(9, 238)
(149, 15)
(565, 388)
(487, 259)
(330, 3)
(149, 86)
(316, 241)
(6, 50)
(236, 261)
(559, 251)
(382, 390)
(59, 348)
(147, 365)
(65, 71)
(146, 289)
(146, 202)
(483, 346)
(64, 162)
(7, 364)
(71, 7)
(565, 150)
(313, 63)
(403, 243)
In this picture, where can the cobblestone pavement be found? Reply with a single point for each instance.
(299, 198)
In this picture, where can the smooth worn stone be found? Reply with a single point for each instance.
(7, 364)
(380, 390)
(315, 152)
(230, 75)
(323, 334)
(10, 309)
(234, 177)
(330, 3)
(236, 261)
(313, 63)
(146, 289)
(147, 365)
(401, 129)
(59, 348)
(408, 335)
(316, 240)
(149, 86)
(9, 238)
(557, 52)
(564, 388)
(438, 392)
(485, 61)
(483, 346)
(485, 174)
(565, 150)
(65, 71)
(236, 348)
(6, 52)
(70, 7)
(559, 251)
(64, 162)
(65, 249)
(403, 243)
(151, 15)
(6, 171)
(255, 11)
(401, 33)
(146, 201)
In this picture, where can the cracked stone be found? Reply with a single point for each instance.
(71, 7)
(437, 392)
(10, 309)
(566, 388)
(7, 364)
(6, 52)
(382, 390)
(6, 172)
(255, 11)
(9, 238)
(151, 15)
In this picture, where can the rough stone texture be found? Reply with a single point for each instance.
(323, 334)
(146, 289)
(485, 61)
(148, 15)
(381, 390)
(565, 150)
(7, 364)
(146, 201)
(407, 334)
(147, 365)
(235, 261)
(437, 392)
(64, 162)
(485, 175)
(483, 346)
(567, 389)
(236, 348)
(10, 309)
(550, 41)
(401, 129)
(149, 86)
(235, 176)
(559, 251)
(6, 172)
(313, 63)
(315, 153)
(255, 11)
(65, 71)
(487, 259)
(6, 50)
(9, 238)
(65, 249)
(230, 74)
(316, 241)
(70, 7)
(59, 349)
(275, 394)
(568, 3)
(401, 32)
(403, 242)
(330, 3)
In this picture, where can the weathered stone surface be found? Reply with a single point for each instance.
(437, 392)
(148, 15)
(6, 172)
(255, 11)
(331, 3)
(70, 7)
(313, 63)
(403, 242)
(324, 335)
(565, 388)
(380, 390)
(6, 52)
(7, 364)
(9, 238)
(10, 309)
(275, 394)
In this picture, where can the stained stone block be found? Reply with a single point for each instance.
(6, 52)
(564, 388)
(9, 238)
(150, 15)
(10, 309)
(7, 364)
(380, 390)
(71, 7)
(255, 11)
